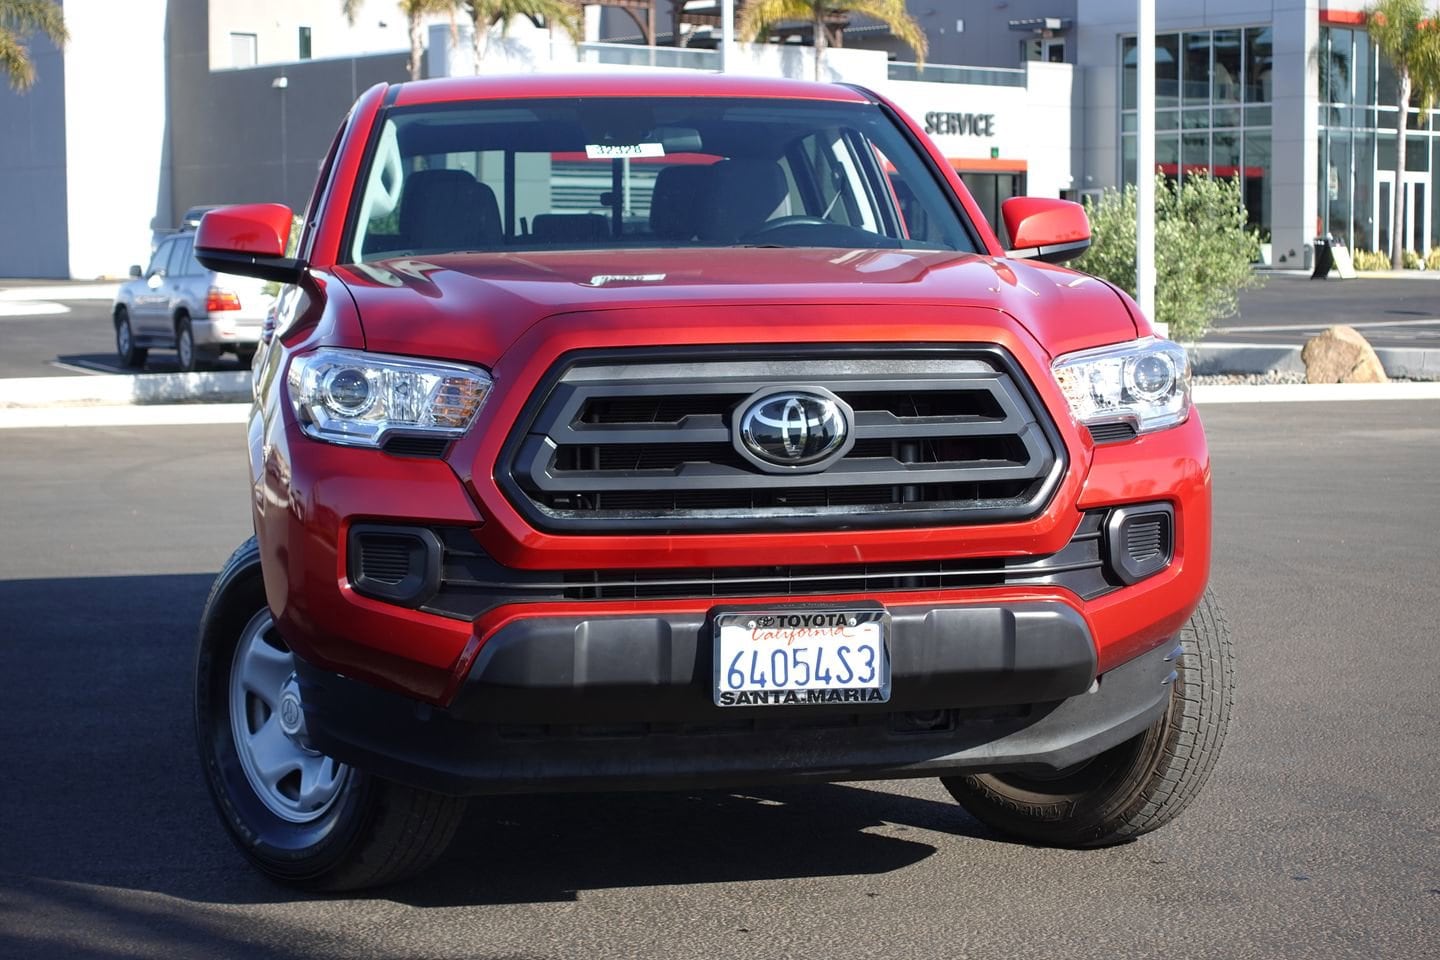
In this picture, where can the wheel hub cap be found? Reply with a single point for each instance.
(267, 718)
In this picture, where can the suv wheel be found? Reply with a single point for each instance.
(1137, 786)
(185, 345)
(299, 816)
(130, 355)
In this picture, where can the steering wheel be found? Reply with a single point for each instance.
(796, 220)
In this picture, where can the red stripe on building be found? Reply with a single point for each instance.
(1343, 18)
(988, 165)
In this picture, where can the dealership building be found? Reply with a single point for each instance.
(156, 106)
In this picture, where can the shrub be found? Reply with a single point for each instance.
(1411, 260)
(1368, 260)
(1432, 259)
(1203, 250)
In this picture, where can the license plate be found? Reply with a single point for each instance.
(797, 657)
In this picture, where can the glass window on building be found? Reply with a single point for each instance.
(1212, 110)
(304, 43)
(1196, 82)
(990, 190)
(1043, 49)
(244, 50)
(1357, 149)
(1225, 74)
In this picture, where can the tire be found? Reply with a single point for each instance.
(350, 830)
(1137, 786)
(130, 355)
(246, 357)
(185, 353)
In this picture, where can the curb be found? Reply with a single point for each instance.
(142, 389)
(1220, 393)
(1418, 363)
(124, 415)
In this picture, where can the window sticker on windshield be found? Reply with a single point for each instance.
(609, 151)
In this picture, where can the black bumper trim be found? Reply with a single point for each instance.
(973, 689)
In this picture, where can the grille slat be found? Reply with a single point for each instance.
(472, 582)
(952, 436)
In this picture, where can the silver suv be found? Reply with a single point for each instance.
(176, 304)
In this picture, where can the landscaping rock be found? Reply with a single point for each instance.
(1341, 355)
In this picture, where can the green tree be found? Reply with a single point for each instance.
(486, 13)
(18, 20)
(415, 13)
(759, 15)
(1203, 249)
(1408, 35)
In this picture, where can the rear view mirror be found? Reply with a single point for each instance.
(248, 240)
(1043, 228)
(135, 270)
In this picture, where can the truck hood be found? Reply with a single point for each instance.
(475, 306)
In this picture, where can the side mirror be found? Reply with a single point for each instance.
(1042, 228)
(248, 240)
(135, 270)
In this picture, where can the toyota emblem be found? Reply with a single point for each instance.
(794, 430)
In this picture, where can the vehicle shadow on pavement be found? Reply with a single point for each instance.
(533, 849)
(106, 810)
(162, 362)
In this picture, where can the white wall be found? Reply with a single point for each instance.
(529, 49)
(115, 128)
(379, 27)
(1032, 123)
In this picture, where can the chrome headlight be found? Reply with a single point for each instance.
(356, 398)
(1144, 382)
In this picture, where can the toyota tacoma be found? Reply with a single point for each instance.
(640, 432)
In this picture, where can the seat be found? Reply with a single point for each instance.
(449, 210)
(743, 194)
(569, 228)
(676, 203)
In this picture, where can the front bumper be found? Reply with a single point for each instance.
(565, 703)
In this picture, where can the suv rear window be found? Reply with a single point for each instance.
(600, 173)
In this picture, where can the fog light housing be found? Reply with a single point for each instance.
(1140, 540)
(393, 563)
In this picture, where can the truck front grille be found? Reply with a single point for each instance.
(942, 436)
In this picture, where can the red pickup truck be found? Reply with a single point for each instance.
(644, 432)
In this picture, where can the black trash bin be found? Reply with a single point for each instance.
(1324, 258)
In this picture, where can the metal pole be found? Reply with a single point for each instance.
(727, 36)
(1145, 155)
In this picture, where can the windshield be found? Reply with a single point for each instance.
(606, 173)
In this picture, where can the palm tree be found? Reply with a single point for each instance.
(1408, 35)
(759, 15)
(415, 13)
(19, 19)
(486, 13)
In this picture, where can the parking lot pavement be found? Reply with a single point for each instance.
(78, 341)
(1318, 837)
(1292, 308)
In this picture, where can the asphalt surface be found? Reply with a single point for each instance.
(1318, 836)
(1290, 309)
(78, 342)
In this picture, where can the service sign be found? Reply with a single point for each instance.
(798, 657)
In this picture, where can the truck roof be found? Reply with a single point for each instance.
(555, 85)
